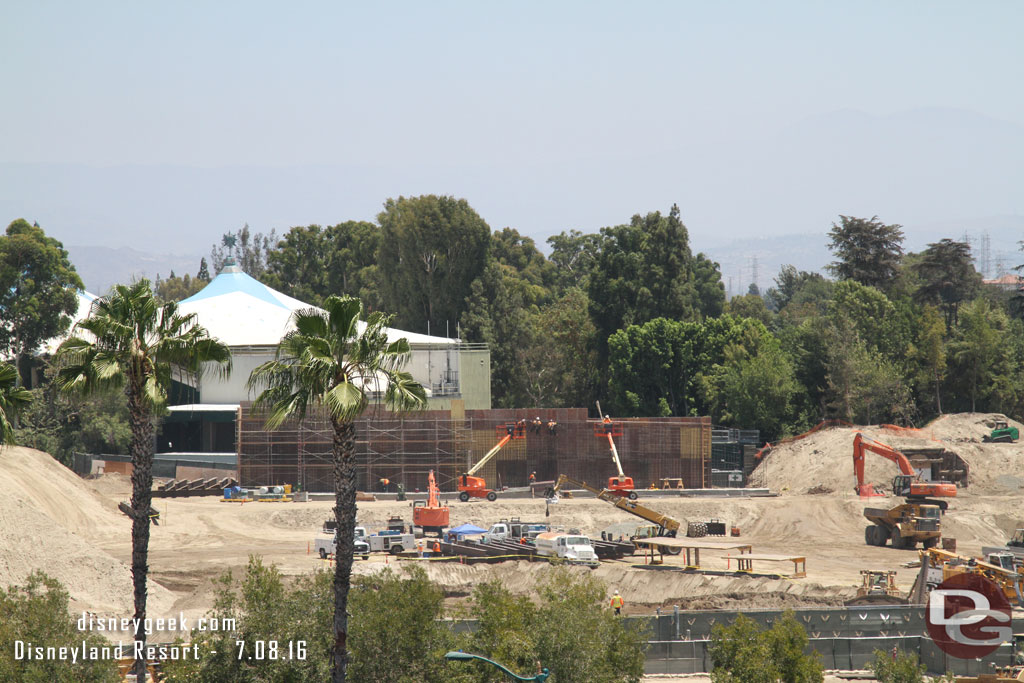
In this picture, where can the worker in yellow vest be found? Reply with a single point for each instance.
(617, 603)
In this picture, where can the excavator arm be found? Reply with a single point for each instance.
(912, 485)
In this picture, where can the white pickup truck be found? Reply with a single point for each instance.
(325, 544)
(573, 549)
(514, 530)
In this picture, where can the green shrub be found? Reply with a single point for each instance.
(745, 653)
(36, 614)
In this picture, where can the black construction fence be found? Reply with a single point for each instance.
(846, 638)
(403, 448)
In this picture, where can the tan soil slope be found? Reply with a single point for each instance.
(826, 457)
(52, 520)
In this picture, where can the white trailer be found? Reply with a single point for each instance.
(391, 542)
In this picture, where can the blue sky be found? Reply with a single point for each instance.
(545, 116)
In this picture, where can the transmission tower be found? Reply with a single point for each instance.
(985, 255)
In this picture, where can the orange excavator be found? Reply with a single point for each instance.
(429, 514)
(907, 484)
(620, 485)
(476, 487)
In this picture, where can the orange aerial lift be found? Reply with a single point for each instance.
(907, 484)
(620, 485)
(476, 487)
(430, 515)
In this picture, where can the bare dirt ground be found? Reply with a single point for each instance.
(52, 520)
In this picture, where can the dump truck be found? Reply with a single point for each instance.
(905, 525)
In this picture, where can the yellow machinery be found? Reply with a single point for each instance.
(935, 561)
(878, 588)
(666, 526)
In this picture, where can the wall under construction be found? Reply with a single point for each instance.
(403, 448)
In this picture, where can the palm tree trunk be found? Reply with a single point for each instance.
(142, 496)
(345, 514)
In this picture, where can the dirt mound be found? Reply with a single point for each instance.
(824, 459)
(50, 519)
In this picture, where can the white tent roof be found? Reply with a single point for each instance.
(242, 311)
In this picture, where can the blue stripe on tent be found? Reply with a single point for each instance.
(229, 283)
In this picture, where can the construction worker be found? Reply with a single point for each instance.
(384, 483)
(533, 478)
(607, 422)
(437, 548)
(537, 424)
(617, 603)
(552, 426)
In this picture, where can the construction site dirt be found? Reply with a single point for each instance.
(71, 528)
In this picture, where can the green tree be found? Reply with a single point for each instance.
(947, 277)
(325, 361)
(788, 283)
(755, 390)
(749, 306)
(979, 352)
(868, 251)
(744, 653)
(176, 288)
(431, 249)
(571, 631)
(36, 613)
(14, 400)
(574, 255)
(864, 387)
(653, 367)
(38, 288)
(261, 607)
(559, 366)
(311, 263)
(645, 270)
(903, 668)
(398, 632)
(930, 351)
(204, 271)
(132, 342)
(248, 249)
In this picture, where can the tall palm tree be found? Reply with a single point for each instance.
(132, 342)
(13, 400)
(326, 362)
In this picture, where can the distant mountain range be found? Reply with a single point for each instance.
(101, 267)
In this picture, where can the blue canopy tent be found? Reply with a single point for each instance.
(460, 532)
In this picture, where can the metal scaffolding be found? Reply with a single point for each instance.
(403, 448)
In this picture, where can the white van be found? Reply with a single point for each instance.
(571, 548)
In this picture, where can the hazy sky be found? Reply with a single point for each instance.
(544, 115)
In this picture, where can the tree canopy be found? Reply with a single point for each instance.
(38, 289)
(867, 250)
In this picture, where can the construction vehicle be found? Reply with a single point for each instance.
(666, 526)
(324, 546)
(877, 588)
(907, 484)
(1015, 546)
(1002, 432)
(571, 548)
(906, 525)
(429, 515)
(620, 484)
(475, 487)
(939, 565)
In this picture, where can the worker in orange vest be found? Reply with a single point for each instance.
(533, 478)
(437, 548)
(384, 483)
(617, 603)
